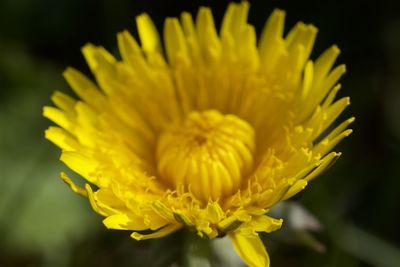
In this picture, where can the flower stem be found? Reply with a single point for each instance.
(197, 251)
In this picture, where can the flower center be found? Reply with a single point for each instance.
(209, 153)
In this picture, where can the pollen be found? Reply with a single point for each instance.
(208, 152)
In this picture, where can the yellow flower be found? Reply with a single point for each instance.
(210, 136)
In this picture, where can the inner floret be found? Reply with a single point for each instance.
(208, 153)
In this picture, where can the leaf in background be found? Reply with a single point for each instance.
(38, 213)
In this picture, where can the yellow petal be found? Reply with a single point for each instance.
(57, 116)
(301, 35)
(98, 58)
(61, 138)
(307, 79)
(175, 43)
(163, 211)
(80, 164)
(84, 88)
(74, 187)
(214, 212)
(169, 229)
(294, 189)
(207, 34)
(325, 61)
(93, 203)
(64, 102)
(325, 163)
(125, 222)
(250, 249)
(127, 45)
(265, 224)
(148, 34)
(271, 44)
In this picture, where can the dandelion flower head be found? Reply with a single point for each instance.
(206, 130)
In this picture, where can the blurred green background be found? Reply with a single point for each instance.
(42, 223)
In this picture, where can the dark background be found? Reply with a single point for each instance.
(42, 223)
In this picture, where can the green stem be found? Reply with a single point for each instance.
(197, 251)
